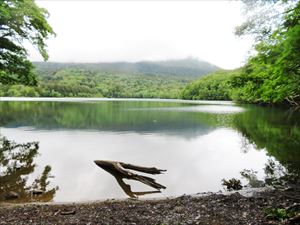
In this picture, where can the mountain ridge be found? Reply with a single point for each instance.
(179, 67)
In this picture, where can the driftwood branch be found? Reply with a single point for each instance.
(121, 170)
(151, 170)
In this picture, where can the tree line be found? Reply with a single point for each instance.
(272, 73)
(270, 76)
(73, 82)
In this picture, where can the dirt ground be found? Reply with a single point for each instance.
(214, 209)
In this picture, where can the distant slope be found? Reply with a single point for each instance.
(214, 86)
(156, 79)
(189, 67)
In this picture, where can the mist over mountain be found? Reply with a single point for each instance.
(145, 79)
(189, 67)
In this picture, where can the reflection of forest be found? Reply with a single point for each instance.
(275, 175)
(16, 164)
(275, 130)
(122, 116)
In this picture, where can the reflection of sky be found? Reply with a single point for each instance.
(216, 109)
(194, 165)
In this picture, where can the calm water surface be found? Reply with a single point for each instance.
(198, 143)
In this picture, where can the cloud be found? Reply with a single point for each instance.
(93, 31)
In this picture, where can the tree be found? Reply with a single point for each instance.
(263, 17)
(272, 75)
(21, 20)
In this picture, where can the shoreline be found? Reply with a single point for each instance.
(97, 99)
(202, 208)
(246, 192)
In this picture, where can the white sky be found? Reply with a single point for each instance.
(105, 31)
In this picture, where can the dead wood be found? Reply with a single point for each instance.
(121, 171)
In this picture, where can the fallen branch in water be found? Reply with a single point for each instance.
(120, 171)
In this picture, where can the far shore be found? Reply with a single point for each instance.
(75, 99)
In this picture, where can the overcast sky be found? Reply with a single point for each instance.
(97, 31)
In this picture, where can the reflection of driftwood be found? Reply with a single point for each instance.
(120, 171)
(127, 189)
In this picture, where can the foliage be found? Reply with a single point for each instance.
(215, 86)
(263, 17)
(19, 91)
(279, 213)
(232, 184)
(156, 79)
(20, 21)
(73, 82)
(272, 74)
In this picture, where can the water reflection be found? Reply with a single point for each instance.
(275, 175)
(16, 164)
(140, 117)
(213, 109)
(215, 142)
(275, 130)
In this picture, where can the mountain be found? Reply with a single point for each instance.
(146, 79)
(189, 67)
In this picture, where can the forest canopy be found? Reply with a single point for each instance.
(272, 73)
(155, 79)
(21, 21)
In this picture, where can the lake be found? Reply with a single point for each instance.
(199, 143)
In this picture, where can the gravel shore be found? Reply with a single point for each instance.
(215, 209)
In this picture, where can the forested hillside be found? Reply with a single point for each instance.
(272, 74)
(214, 86)
(161, 79)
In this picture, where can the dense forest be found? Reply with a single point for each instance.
(214, 86)
(270, 76)
(272, 73)
(161, 79)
